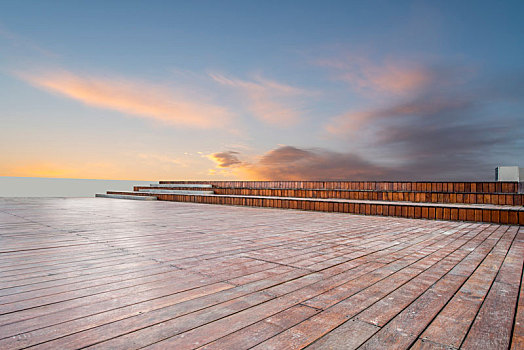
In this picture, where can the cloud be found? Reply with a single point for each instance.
(292, 163)
(24, 44)
(421, 106)
(271, 102)
(132, 98)
(225, 159)
(456, 127)
(390, 77)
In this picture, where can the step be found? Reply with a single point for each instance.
(488, 213)
(137, 188)
(155, 191)
(419, 186)
(409, 196)
(126, 196)
(182, 185)
(156, 194)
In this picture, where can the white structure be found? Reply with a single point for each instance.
(509, 173)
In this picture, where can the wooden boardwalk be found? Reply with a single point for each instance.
(115, 274)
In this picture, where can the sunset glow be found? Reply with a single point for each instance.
(252, 90)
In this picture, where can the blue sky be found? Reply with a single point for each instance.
(261, 89)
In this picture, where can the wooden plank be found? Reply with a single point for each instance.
(347, 336)
(404, 329)
(235, 326)
(517, 341)
(258, 332)
(492, 326)
(453, 322)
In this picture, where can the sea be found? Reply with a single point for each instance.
(55, 187)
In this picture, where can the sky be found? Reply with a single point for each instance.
(261, 90)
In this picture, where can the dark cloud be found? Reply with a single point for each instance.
(315, 164)
(451, 128)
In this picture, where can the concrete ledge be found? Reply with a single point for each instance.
(126, 196)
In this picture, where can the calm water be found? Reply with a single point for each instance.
(51, 187)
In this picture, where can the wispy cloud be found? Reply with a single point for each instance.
(352, 122)
(270, 101)
(22, 43)
(132, 98)
(387, 77)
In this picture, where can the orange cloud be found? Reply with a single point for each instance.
(225, 159)
(399, 79)
(348, 122)
(269, 101)
(134, 98)
(391, 77)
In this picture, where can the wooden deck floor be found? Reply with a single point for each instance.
(115, 274)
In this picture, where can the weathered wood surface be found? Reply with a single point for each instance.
(98, 273)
